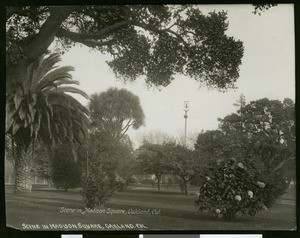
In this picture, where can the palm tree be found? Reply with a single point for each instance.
(41, 108)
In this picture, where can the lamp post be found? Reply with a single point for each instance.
(185, 109)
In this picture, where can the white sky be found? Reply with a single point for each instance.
(267, 70)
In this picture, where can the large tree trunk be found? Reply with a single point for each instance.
(23, 164)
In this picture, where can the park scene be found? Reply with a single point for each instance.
(150, 117)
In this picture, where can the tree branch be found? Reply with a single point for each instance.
(10, 11)
(87, 38)
(91, 36)
(46, 34)
(127, 124)
(125, 128)
(159, 31)
(94, 43)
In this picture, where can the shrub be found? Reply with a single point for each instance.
(97, 188)
(120, 183)
(230, 189)
(65, 172)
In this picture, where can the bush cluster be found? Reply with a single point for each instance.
(230, 189)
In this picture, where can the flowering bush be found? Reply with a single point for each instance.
(231, 188)
(274, 186)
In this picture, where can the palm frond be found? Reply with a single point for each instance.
(65, 81)
(69, 89)
(55, 75)
(48, 64)
(18, 97)
(65, 98)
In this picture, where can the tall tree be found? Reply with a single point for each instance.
(40, 108)
(262, 130)
(114, 111)
(156, 41)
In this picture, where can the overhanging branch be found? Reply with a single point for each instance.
(46, 34)
(90, 39)
(91, 36)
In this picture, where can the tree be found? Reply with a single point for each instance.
(39, 108)
(66, 172)
(269, 126)
(156, 41)
(110, 153)
(263, 131)
(211, 145)
(109, 167)
(169, 159)
(185, 164)
(154, 159)
(126, 162)
(113, 112)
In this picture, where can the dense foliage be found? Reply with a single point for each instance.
(66, 172)
(97, 188)
(232, 188)
(153, 159)
(262, 132)
(114, 111)
(109, 169)
(169, 159)
(156, 41)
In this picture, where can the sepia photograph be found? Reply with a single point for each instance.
(150, 118)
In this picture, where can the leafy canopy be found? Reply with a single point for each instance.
(155, 41)
(262, 130)
(114, 111)
(153, 159)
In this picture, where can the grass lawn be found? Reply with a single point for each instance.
(167, 210)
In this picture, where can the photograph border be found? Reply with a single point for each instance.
(10, 232)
